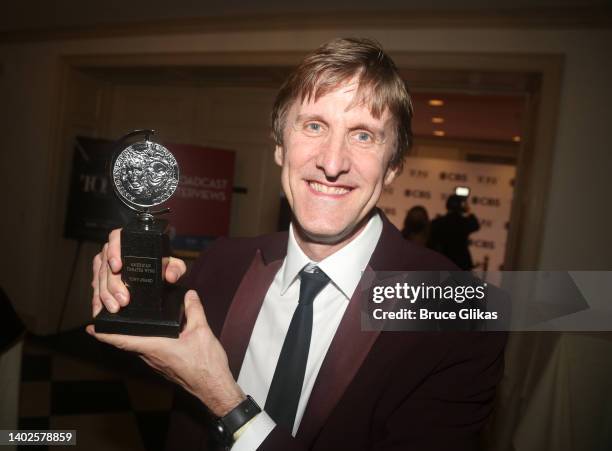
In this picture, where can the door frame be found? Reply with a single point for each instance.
(534, 167)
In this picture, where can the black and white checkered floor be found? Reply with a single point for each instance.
(110, 398)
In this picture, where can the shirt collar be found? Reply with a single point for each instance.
(343, 267)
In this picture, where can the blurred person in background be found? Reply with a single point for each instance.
(450, 233)
(416, 225)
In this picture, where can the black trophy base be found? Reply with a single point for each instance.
(166, 322)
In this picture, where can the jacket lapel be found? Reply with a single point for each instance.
(349, 348)
(242, 314)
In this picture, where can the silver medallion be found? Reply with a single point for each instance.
(145, 174)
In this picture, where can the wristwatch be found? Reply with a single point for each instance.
(226, 426)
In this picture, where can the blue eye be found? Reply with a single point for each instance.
(313, 126)
(364, 137)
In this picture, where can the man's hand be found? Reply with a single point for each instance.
(196, 360)
(108, 289)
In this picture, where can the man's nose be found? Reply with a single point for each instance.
(333, 158)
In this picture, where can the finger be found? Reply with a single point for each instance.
(106, 297)
(115, 285)
(95, 268)
(194, 312)
(96, 304)
(117, 288)
(141, 345)
(175, 269)
(114, 250)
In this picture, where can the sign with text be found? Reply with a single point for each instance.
(201, 205)
(93, 209)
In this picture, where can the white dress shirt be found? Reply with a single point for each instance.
(344, 268)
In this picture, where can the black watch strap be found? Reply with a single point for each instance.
(236, 418)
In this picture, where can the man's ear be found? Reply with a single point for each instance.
(279, 155)
(390, 175)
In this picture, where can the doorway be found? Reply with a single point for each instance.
(224, 100)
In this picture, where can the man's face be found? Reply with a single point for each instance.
(334, 163)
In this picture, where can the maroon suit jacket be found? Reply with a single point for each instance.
(375, 390)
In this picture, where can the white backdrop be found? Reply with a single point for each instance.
(428, 182)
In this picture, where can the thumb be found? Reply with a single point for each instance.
(194, 311)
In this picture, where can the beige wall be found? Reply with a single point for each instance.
(578, 221)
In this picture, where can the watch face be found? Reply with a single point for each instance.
(220, 428)
(226, 426)
(223, 436)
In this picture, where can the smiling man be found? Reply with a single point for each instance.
(335, 158)
(272, 355)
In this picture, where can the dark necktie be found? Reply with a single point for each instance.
(286, 386)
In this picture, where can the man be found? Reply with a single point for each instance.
(450, 233)
(279, 317)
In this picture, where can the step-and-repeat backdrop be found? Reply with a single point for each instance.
(428, 182)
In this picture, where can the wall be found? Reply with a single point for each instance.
(577, 220)
(234, 118)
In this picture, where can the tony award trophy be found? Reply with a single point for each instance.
(144, 174)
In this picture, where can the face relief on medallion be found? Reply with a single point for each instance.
(145, 174)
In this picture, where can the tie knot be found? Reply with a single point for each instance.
(311, 284)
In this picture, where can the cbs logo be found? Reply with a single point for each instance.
(417, 193)
(486, 201)
(453, 176)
